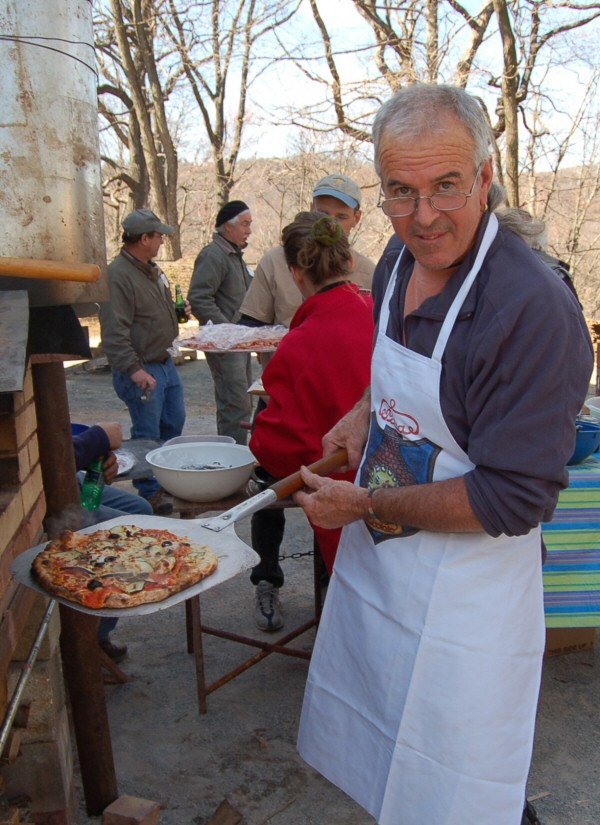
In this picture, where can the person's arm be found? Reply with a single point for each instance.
(209, 272)
(248, 321)
(287, 432)
(96, 442)
(259, 302)
(442, 506)
(116, 319)
(351, 432)
(526, 389)
(110, 468)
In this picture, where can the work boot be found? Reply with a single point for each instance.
(267, 612)
(161, 503)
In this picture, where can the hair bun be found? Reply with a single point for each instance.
(326, 231)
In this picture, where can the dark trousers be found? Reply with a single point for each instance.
(267, 527)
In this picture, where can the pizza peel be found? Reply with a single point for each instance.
(234, 554)
(276, 492)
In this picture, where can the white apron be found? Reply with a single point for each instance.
(423, 685)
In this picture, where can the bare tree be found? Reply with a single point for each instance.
(133, 57)
(442, 40)
(513, 54)
(531, 35)
(161, 58)
(216, 42)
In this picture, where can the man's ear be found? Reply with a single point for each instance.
(486, 177)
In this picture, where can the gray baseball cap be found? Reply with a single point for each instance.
(341, 187)
(144, 220)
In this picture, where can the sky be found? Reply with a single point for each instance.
(281, 87)
(277, 90)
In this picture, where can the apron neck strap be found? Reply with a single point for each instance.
(452, 314)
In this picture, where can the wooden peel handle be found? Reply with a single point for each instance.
(49, 270)
(286, 486)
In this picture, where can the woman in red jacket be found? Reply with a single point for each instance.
(320, 370)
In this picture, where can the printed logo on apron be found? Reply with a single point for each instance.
(395, 461)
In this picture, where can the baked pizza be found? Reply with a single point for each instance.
(123, 566)
(235, 338)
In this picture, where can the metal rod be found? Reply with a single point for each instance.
(24, 677)
(268, 647)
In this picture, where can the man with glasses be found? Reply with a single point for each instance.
(428, 658)
(139, 326)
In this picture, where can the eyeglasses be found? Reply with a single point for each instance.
(441, 201)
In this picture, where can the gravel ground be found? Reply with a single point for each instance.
(243, 749)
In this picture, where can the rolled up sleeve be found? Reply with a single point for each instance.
(529, 378)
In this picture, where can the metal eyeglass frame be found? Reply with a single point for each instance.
(381, 203)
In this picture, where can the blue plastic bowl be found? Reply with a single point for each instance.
(587, 441)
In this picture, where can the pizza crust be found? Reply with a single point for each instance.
(125, 566)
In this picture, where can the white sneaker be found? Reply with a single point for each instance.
(267, 612)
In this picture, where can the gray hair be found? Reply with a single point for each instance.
(419, 108)
(235, 220)
(221, 229)
(532, 230)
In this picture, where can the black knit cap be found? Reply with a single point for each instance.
(230, 211)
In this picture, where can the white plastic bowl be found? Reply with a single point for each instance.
(593, 405)
(175, 468)
(197, 439)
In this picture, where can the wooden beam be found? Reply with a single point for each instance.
(49, 270)
(79, 631)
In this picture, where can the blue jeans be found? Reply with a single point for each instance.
(160, 418)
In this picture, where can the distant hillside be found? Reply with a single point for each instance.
(276, 189)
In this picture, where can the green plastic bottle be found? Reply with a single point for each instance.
(93, 484)
(180, 305)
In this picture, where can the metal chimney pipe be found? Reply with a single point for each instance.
(50, 186)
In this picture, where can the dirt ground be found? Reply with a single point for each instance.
(243, 749)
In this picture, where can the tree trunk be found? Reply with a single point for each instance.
(510, 85)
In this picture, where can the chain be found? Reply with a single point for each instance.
(297, 555)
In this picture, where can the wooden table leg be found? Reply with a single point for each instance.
(81, 663)
(196, 635)
(189, 634)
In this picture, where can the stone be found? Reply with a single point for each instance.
(131, 810)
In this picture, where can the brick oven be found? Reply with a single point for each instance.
(53, 271)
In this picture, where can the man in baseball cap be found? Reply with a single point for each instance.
(139, 326)
(340, 187)
(273, 297)
(145, 221)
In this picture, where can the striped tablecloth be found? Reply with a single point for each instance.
(572, 569)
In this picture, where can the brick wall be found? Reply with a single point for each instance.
(22, 503)
(42, 767)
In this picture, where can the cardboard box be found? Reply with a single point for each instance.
(561, 640)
